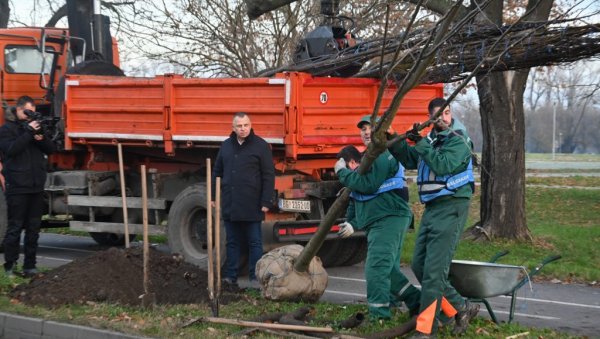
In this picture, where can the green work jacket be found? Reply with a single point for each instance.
(363, 213)
(445, 152)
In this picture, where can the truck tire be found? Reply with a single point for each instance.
(110, 239)
(115, 239)
(329, 252)
(187, 226)
(357, 247)
(3, 220)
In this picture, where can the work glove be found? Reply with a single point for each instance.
(413, 134)
(345, 230)
(341, 163)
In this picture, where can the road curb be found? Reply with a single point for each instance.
(17, 326)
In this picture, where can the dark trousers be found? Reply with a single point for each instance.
(24, 213)
(237, 232)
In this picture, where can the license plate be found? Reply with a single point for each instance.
(294, 205)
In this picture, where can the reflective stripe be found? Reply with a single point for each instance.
(379, 305)
(432, 186)
(395, 182)
(426, 318)
(403, 289)
(447, 308)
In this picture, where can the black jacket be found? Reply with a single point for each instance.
(24, 159)
(247, 178)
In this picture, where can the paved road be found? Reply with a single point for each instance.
(554, 165)
(570, 308)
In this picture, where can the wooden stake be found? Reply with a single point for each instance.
(147, 298)
(218, 233)
(261, 325)
(123, 194)
(209, 240)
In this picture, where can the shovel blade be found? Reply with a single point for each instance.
(214, 307)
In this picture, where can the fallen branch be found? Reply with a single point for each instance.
(279, 333)
(401, 330)
(238, 322)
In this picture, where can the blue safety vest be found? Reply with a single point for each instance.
(395, 182)
(432, 186)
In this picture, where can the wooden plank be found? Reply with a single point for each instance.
(105, 201)
(113, 227)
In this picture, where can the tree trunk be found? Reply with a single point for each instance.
(503, 126)
(503, 164)
(4, 13)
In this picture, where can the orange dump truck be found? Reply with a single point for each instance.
(172, 125)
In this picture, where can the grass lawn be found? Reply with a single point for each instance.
(562, 221)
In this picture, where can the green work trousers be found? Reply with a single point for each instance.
(439, 234)
(382, 270)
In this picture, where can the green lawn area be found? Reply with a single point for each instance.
(561, 221)
(562, 157)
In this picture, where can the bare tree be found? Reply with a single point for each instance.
(571, 90)
(213, 37)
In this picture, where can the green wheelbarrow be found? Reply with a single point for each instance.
(478, 280)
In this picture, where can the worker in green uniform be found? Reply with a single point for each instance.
(378, 205)
(445, 183)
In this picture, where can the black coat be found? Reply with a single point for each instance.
(247, 178)
(24, 158)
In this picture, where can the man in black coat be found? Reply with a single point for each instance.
(24, 154)
(245, 164)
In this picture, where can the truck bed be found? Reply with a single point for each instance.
(306, 116)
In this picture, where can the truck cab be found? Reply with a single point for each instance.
(32, 61)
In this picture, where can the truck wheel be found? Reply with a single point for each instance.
(115, 239)
(187, 226)
(110, 239)
(3, 220)
(329, 252)
(357, 248)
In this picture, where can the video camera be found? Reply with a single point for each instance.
(40, 118)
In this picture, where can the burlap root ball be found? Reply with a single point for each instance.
(279, 281)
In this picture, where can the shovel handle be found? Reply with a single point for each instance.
(209, 226)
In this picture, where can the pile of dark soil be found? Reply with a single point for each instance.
(116, 276)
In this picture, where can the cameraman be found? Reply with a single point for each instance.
(24, 154)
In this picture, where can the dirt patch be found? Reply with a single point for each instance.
(116, 276)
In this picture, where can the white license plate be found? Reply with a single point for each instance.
(294, 205)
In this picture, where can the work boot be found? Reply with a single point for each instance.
(30, 272)
(419, 335)
(9, 271)
(464, 316)
(229, 285)
(254, 284)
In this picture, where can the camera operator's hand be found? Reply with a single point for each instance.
(38, 137)
(2, 180)
(34, 126)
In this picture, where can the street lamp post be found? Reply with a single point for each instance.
(554, 131)
(559, 146)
